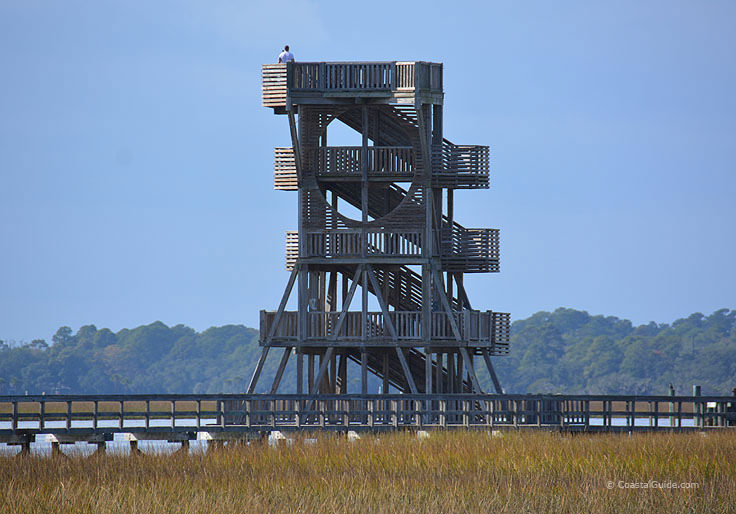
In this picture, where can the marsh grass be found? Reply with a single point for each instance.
(449, 472)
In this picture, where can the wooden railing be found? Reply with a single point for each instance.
(282, 82)
(284, 169)
(476, 327)
(460, 247)
(292, 248)
(452, 165)
(182, 416)
(462, 166)
(274, 86)
(471, 243)
(347, 161)
(349, 243)
(365, 76)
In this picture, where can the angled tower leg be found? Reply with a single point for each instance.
(471, 370)
(407, 371)
(257, 372)
(280, 370)
(494, 378)
(322, 369)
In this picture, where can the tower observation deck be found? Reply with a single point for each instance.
(383, 288)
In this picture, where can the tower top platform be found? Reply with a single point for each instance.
(334, 83)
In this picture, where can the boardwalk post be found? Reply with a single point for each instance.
(698, 411)
(672, 405)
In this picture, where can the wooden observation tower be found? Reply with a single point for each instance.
(383, 288)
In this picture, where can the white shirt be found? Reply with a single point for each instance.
(286, 56)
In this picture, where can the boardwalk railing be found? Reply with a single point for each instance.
(481, 328)
(155, 416)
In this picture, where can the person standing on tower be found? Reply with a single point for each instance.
(286, 56)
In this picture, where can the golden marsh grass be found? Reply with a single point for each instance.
(449, 472)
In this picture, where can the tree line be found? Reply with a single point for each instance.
(565, 351)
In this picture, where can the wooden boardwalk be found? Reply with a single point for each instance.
(183, 417)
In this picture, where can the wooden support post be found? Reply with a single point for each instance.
(295, 144)
(332, 378)
(363, 371)
(14, 421)
(310, 372)
(257, 371)
(322, 368)
(331, 301)
(489, 365)
(443, 298)
(348, 300)
(386, 383)
(426, 300)
(381, 302)
(299, 371)
(280, 370)
(56, 450)
(439, 381)
(427, 371)
(451, 372)
(471, 370)
(407, 371)
(345, 288)
(364, 304)
(342, 375)
(134, 450)
(184, 450)
(461, 291)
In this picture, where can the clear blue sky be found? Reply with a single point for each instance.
(136, 159)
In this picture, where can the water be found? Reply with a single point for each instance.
(120, 445)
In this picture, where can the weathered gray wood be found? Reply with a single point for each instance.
(322, 369)
(347, 301)
(471, 370)
(237, 415)
(363, 372)
(406, 227)
(282, 304)
(257, 371)
(280, 370)
(446, 305)
(299, 371)
(427, 372)
(491, 371)
(407, 371)
(381, 302)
